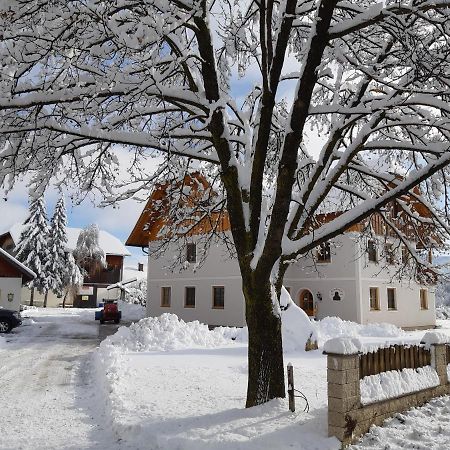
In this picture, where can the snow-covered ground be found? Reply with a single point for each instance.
(164, 384)
(171, 385)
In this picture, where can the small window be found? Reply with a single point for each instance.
(374, 299)
(423, 299)
(191, 253)
(218, 297)
(392, 301)
(165, 296)
(189, 297)
(390, 253)
(372, 251)
(324, 253)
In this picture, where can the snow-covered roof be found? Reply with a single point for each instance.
(109, 243)
(133, 272)
(15, 262)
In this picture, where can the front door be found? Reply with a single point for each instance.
(307, 302)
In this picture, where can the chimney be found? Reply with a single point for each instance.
(140, 267)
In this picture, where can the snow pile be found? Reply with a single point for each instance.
(434, 337)
(2, 343)
(331, 327)
(342, 346)
(396, 383)
(131, 312)
(163, 333)
(297, 328)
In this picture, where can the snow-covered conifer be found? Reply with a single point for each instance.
(57, 243)
(32, 248)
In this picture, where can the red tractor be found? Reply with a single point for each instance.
(109, 313)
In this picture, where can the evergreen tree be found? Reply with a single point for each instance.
(32, 248)
(57, 243)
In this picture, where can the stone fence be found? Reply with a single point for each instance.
(348, 418)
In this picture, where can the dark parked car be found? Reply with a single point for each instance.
(9, 320)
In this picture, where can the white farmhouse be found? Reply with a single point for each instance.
(351, 277)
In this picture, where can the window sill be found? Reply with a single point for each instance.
(164, 306)
(392, 309)
(375, 310)
(218, 307)
(189, 306)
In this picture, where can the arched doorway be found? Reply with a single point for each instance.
(306, 302)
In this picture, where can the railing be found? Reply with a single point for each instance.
(348, 416)
(104, 277)
(396, 357)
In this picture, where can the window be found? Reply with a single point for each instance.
(423, 299)
(165, 296)
(405, 255)
(392, 301)
(372, 251)
(324, 253)
(374, 299)
(189, 297)
(218, 297)
(191, 253)
(390, 253)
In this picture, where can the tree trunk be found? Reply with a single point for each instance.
(45, 299)
(64, 299)
(265, 349)
(32, 297)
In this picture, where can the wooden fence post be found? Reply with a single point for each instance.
(290, 374)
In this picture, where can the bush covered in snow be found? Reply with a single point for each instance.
(166, 332)
(443, 312)
(137, 294)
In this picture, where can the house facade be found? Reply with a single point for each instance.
(349, 283)
(362, 279)
(13, 275)
(97, 278)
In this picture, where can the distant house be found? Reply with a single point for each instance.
(13, 275)
(352, 277)
(97, 279)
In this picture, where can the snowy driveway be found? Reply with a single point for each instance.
(47, 396)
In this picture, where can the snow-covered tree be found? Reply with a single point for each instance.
(72, 276)
(64, 273)
(88, 251)
(137, 293)
(240, 89)
(57, 248)
(32, 249)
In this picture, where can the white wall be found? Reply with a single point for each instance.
(325, 278)
(218, 270)
(10, 285)
(349, 272)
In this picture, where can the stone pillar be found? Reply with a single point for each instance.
(437, 342)
(439, 361)
(343, 387)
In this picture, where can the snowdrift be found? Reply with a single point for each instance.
(298, 330)
(163, 333)
(332, 327)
